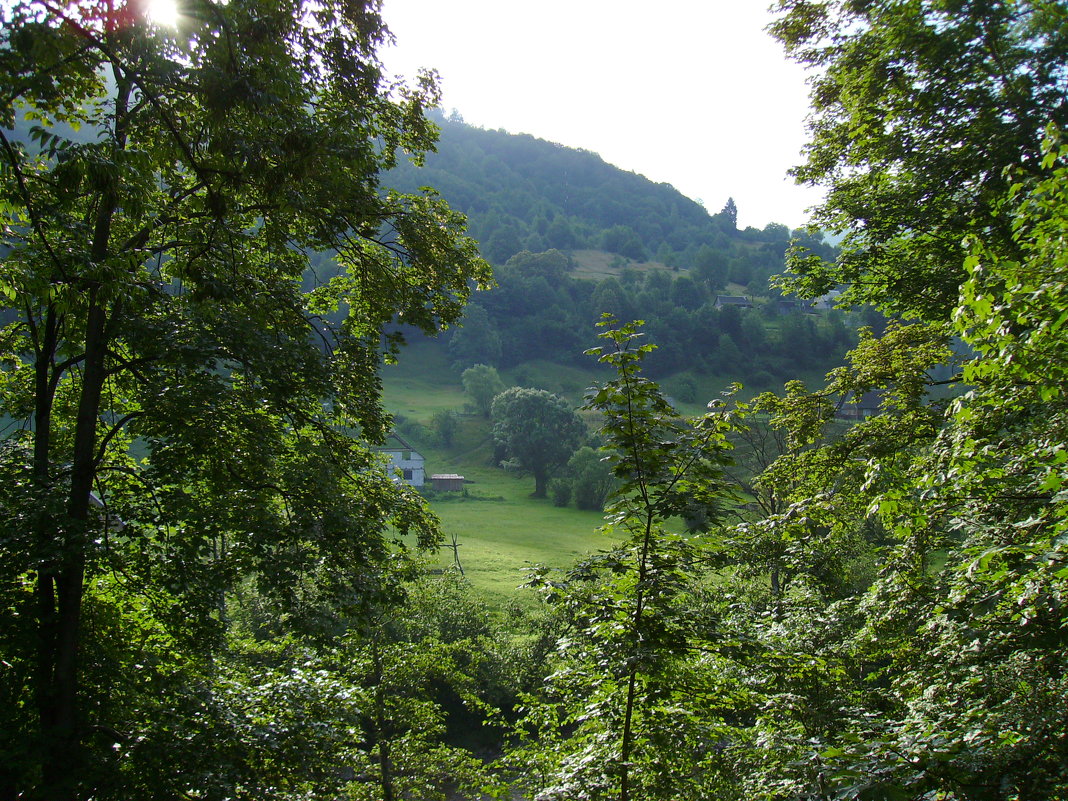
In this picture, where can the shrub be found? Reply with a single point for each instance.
(560, 491)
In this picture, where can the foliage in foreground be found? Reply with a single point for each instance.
(626, 712)
(227, 618)
(962, 636)
(890, 622)
(186, 398)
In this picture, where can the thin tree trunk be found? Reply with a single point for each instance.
(632, 678)
(776, 592)
(625, 746)
(382, 728)
(44, 678)
(62, 772)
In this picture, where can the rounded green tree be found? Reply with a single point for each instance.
(483, 384)
(538, 430)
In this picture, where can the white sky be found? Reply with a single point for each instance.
(692, 93)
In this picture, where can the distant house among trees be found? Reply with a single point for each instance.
(827, 301)
(405, 460)
(853, 408)
(733, 300)
(784, 306)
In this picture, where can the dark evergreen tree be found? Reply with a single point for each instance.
(730, 213)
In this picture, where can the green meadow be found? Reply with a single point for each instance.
(499, 529)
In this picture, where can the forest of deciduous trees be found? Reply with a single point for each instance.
(183, 512)
(522, 193)
(206, 590)
(539, 310)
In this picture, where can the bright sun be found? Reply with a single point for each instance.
(162, 12)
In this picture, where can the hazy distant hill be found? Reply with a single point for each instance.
(572, 237)
(522, 193)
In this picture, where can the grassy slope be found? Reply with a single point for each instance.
(501, 530)
(595, 265)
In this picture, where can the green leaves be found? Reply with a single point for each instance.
(917, 110)
(634, 656)
(483, 384)
(159, 225)
(965, 616)
(538, 430)
(666, 465)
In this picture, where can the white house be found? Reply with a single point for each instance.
(824, 302)
(405, 460)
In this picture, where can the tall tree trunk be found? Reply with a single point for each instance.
(541, 478)
(63, 757)
(61, 591)
(60, 585)
(776, 592)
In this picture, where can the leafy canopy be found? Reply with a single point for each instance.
(937, 128)
(198, 400)
(538, 430)
(918, 108)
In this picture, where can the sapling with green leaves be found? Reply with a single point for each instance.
(635, 688)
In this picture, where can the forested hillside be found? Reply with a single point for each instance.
(523, 193)
(573, 237)
(540, 310)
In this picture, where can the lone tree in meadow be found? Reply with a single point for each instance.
(538, 430)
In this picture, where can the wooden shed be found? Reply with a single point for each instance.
(447, 482)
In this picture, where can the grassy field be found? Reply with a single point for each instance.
(500, 529)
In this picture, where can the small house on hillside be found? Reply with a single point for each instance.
(826, 302)
(854, 408)
(405, 460)
(733, 300)
(784, 306)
